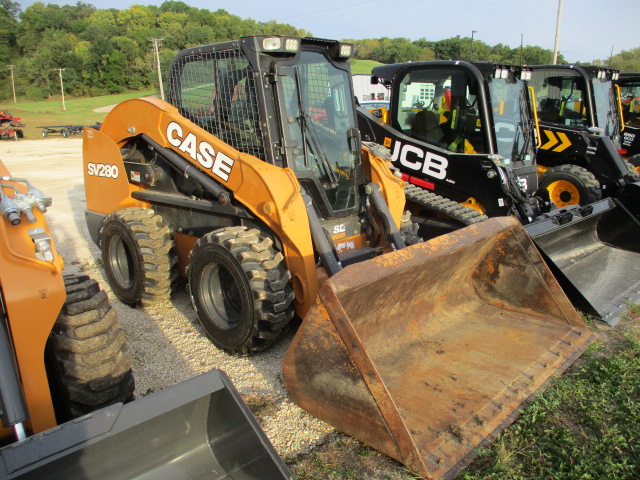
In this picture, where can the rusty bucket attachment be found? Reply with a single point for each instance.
(200, 428)
(427, 352)
(594, 253)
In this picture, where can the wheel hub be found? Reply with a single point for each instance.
(563, 193)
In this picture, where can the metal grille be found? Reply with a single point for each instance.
(315, 93)
(217, 92)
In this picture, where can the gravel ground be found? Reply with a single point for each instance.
(165, 341)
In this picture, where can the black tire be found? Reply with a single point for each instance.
(88, 363)
(239, 288)
(45, 133)
(571, 185)
(138, 255)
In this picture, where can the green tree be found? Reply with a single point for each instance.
(8, 31)
(627, 61)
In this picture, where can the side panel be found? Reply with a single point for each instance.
(454, 176)
(105, 180)
(33, 291)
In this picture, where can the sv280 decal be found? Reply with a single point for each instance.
(102, 170)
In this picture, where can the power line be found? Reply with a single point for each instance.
(341, 7)
(431, 15)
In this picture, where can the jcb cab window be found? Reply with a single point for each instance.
(561, 97)
(439, 107)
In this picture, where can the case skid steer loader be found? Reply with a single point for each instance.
(464, 135)
(580, 152)
(65, 371)
(252, 181)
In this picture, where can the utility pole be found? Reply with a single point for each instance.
(555, 48)
(13, 85)
(156, 42)
(471, 56)
(521, 40)
(60, 69)
(610, 56)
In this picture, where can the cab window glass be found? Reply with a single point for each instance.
(439, 106)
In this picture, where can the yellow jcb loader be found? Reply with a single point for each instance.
(65, 373)
(252, 181)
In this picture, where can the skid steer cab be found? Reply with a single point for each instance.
(466, 133)
(465, 138)
(253, 182)
(582, 133)
(629, 91)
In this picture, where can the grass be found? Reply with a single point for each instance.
(585, 426)
(79, 111)
(363, 67)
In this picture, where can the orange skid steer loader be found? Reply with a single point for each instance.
(65, 371)
(252, 181)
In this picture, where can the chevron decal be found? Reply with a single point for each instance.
(560, 139)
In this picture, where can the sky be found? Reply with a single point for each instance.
(589, 29)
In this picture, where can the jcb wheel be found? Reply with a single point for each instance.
(88, 362)
(137, 251)
(240, 290)
(571, 185)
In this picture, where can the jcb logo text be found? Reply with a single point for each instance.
(414, 158)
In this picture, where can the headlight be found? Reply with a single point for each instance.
(291, 44)
(346, 50)
(271, 44)
(502, 73)
(280, 44)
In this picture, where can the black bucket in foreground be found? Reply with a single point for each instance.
(594, 251)
(197, 429)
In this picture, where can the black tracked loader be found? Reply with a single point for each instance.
(253, 182)
(464, 138)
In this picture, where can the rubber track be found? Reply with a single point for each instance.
(444, 206)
